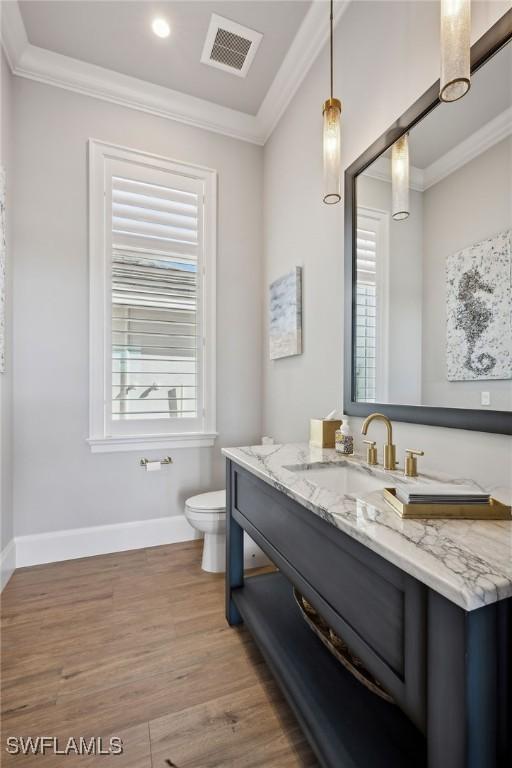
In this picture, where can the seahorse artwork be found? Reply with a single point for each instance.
(473, 316)
(479, 311)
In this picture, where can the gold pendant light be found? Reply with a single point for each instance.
(455, 49)
(332, 140)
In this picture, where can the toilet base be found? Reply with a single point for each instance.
(214, 553)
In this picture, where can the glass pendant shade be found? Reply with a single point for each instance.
(332, 149)
(455, 49)
(400, 178)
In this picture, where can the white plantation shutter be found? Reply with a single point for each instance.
(366, 256)
(156, 244)
(152, 300)
(366, 294)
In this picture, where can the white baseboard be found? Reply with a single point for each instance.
(100, 540)
(7, 563)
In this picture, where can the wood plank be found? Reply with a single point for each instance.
(246, 729)
(106, 645)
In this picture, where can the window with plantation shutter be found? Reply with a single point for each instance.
(366, 304)
(371, 311)
(153, 254)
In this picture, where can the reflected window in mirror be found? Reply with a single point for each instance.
(371, 310)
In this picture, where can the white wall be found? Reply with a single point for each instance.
(386, 55)
(6, 156)
(58, 483)
(468, 206)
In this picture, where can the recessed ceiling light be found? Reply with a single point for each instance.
(161, 27)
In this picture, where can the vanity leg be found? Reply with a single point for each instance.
(463, 693)
(482, 686)
(234, 553)
(446, 729)
(504, 610)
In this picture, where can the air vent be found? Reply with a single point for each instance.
(229, 46)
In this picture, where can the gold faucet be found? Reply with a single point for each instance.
(389, 449)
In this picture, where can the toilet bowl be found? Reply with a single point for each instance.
(206, 512)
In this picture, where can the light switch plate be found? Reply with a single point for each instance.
(485, 398)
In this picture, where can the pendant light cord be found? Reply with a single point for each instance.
(331, 20)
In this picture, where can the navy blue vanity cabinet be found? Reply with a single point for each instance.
(448, 670)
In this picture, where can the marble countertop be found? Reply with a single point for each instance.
(467, 561)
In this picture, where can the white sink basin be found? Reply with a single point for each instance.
(345, 479)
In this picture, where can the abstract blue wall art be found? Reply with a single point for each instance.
(286, 315)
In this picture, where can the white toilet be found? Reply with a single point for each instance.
(206, 512)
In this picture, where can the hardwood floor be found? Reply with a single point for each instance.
(135, 645)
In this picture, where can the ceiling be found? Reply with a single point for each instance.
(118, 37)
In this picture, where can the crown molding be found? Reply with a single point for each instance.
(486, 137)
(12, 32)
(306, 46)
(64, 72)
(480, 141)
(44, 66)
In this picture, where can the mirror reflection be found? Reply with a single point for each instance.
(433, 285)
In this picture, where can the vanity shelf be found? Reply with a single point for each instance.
(346, 724)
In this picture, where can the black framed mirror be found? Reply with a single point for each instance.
(428, 257)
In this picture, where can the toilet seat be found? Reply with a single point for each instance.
(214, 501)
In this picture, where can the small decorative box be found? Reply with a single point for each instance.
(322, 432)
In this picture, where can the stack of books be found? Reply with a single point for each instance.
(441, 494)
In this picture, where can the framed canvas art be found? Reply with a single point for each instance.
(2, 269)
(286, 315)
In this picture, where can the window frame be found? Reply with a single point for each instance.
(102, 438)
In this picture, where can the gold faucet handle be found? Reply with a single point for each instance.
(411, 462)
(371, 452)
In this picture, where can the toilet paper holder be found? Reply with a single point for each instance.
(165, 460)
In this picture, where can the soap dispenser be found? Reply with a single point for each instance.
(344, 440)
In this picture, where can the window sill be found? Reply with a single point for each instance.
(118, 443)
